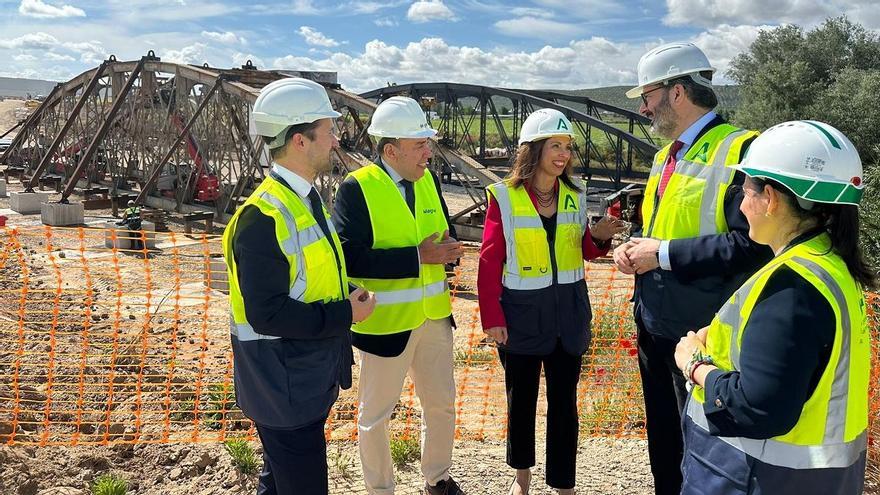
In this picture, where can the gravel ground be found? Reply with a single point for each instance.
(605, 466)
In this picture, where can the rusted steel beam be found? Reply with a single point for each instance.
(16, 126)
(151, 181)
(31, 120)
(118, 101)
(47, 158)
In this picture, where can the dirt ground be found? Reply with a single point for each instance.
(11, 111)
(605, 466)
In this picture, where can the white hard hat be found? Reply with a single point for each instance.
(288, 102)
(400, 117)
(545, 123)
(670, 61)
(812, 159)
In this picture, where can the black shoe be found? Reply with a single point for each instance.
(444, 487)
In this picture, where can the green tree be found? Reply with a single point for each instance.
(831, 74)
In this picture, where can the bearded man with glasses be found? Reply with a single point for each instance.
(694, 249)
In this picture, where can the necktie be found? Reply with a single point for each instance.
(318, 212)
(669, 167)
(410, 195)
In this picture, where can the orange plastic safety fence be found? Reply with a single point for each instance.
(104, 345)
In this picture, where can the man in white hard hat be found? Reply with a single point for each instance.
(288, 291)
(694, 249)
(395, 231)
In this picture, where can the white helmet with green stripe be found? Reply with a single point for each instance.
(812, 159)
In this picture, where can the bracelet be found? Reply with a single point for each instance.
(694, 371)
(697, 358)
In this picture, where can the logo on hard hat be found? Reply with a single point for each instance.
(814, 164)
(561, 125)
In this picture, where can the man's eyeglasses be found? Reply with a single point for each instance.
(645, 100)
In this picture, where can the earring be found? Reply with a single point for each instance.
(767, 214)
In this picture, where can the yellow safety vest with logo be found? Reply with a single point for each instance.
(528, 264)
(405, 303)
(693, 201)
(832, 429)
(314, 274)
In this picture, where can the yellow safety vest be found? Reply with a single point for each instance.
(405, 303)
(528, 253)
(693, 202)
(314, 274)
(832, 429)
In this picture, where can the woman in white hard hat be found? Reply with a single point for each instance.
(532, 294)
(780, 377)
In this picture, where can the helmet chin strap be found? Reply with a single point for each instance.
(702, 81)
(277, 141)
(805, 203)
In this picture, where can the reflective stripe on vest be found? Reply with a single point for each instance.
(403, 304)
(528, 265)
(298, 240)
(693, 203)
(831, 430)
(786, 454)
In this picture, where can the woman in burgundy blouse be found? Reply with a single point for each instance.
(546, 327)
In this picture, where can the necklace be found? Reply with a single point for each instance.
(545, 198)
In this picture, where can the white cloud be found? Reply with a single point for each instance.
(725, 42)
(192, 54)
(545, 29)
(584, 63)
(24, 57)
(42, 10)
(429, 10)
(584, 8)
(532, 12)
(710, 13)
(304, 7)
(58, 57)
(239, 58)
(316, 38)
(35, 41)
(227, 37)
(385, 22)
(370, 7)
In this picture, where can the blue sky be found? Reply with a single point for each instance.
(529, 43)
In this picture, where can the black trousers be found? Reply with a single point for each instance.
(294, 461)
(522, 375)
(663, 387)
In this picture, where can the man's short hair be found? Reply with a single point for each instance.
(699, 95)
(307, 130)
(380, 148)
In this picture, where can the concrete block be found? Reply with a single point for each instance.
(61, 215)
(2, 188)
(125, 238)
(27, 203)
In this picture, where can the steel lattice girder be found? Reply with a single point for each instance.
(176, 122)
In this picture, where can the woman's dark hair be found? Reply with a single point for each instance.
(842, 224)
(525, 165)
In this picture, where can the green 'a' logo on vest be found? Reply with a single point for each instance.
(703, 153)
(561, 125)
(569, 202)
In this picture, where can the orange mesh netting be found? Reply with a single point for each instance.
(102, 345)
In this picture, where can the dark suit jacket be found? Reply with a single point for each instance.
(706, 270)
